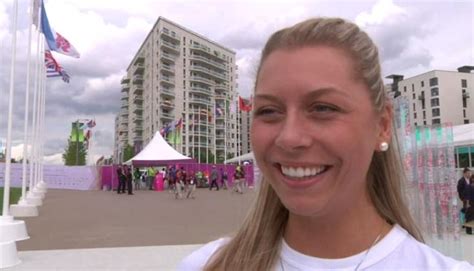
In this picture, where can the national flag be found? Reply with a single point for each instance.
(245, 105)
(179, 123)
(53, 69)
(91, 124)
(54, 40)
(77, 134)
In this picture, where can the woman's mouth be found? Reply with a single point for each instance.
(302, 172)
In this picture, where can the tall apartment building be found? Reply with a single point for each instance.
(244, 121)
(179, 74)
(438, 96)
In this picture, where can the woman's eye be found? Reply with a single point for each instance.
(265, 111)
(325, 108)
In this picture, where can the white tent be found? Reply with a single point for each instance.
(158, 152)
(243, 157)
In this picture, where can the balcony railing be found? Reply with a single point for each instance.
(208, 61)
(201, 80)
(200, 90)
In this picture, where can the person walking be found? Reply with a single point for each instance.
(136, 178)
(239, 178)
(128, 178)
(191, 186)
(224, 178)
(214, 176)
(121, 180)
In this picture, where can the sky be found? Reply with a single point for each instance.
(413, 37)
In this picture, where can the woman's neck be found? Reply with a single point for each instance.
(336, 235)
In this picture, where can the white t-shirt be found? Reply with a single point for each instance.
(396, 251)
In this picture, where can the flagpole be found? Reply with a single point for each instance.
(214, 134)
(207, 135)
(27, 97)
(225, 131)
(8, 147)
(33, 112)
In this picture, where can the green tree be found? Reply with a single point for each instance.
(202, 158)
(71, 157)
(128, 153)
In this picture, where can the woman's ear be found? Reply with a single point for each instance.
(385, 125)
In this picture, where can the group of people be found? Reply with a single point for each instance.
(465, 188)
(238, 183)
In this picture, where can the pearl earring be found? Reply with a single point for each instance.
(384, 146)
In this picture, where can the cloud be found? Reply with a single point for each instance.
(413, 37)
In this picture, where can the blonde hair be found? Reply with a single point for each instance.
(256, 245)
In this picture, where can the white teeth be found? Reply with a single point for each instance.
(300, 172)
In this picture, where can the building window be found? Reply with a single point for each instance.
(424, 122)
(435, 112)
(414, 96)
(464, 112)
(464, 103)
(424, 114)
(414, 107)
(414, 115)
(436, 121)
(422, 83)
(423, 104)
(434, 81)
(404, 89)
(464, 83)
(412, 87)
(434, 92)
(435, 102)
(466, 121)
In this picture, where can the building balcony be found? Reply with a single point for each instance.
(167, 81)
(125, 80)
(138, 108)
(125, 88)
(168, 46)
(124, 97)
(124, 113)
(200, 90)
(167, 93)
(167, 69)
(201, 80)
(170, 35)
(139, 60)
(166, 116)
(221, 97)
(137, 80)
(167, 104)
(220, 127)
(208, 52)
(137, 118)
(220, 137)
(137, 90)
(137, 138)
(137, 99)
(124, 105)
(200, 101)
(139, 68)
(208, 62)
(167, 58)
(224, 87)
(208, 72)
(465, 95)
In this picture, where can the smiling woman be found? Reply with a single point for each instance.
(331, 194)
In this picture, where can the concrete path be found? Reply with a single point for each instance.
(98, 219)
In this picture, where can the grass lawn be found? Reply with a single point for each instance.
(15, 194)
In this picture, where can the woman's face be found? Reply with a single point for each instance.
(314, 130)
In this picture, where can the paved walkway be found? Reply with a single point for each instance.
(99, 219)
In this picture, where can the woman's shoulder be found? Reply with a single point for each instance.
(414, 255)
(197, 259)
